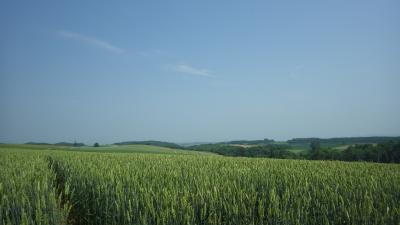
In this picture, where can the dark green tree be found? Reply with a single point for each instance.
(96, 145)
(315, 150)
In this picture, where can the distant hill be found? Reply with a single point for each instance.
(342, 140)
(68, 144)
(154, 143)
(37, 143)
(250, 142)
(189, 144)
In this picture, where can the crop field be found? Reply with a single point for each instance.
(108, 149)
(137, 149)
(77, 187)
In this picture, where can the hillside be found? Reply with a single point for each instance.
(153, 143)
(107, 149)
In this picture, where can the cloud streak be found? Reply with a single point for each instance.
(152, 53)
(188, 69)
(91, 41)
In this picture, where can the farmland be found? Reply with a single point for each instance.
(78, 187)
(107, 149)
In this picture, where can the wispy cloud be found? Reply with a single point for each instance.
(188, 69)
(90, 40)
(151, 53)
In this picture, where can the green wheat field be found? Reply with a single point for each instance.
(155, 185)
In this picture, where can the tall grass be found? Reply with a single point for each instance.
(27, 192)
(54, 187)
(154, 189)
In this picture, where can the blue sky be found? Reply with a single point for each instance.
(188, 71)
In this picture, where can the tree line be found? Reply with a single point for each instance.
(343, 140)
(388, 152)
(270, 150)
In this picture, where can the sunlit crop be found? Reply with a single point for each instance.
(105, 188)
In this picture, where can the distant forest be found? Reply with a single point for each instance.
(343, 140)
(388, 152)
(269, 150)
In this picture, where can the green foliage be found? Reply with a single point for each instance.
(315, 149)
(27, 192)
(388, 152)
(333, 142)
(315, 146)
(385, 152)
(96, 145)
(270, 151)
